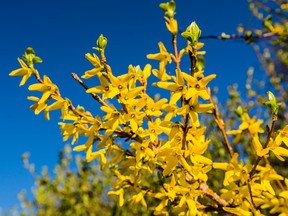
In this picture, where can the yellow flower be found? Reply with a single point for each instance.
(113, 117)
(47, 87)
(164, 57)
(135, 117)
(143, 152)
(197, 87)
(251, 124)
(90, 132)
(171, 110)
(136, 73)
(177, 88)
(59, 103)
(128, 98)
(24, 71)
(106, 89)
(282, 136)
(97, 64)
(193, 108)
(155, 129)
(120, 193)
(153, 108)
(139, 198)
(119, 83)
(235, 171)
(171, 25)
(38, 107)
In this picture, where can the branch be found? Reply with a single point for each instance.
(193, 61)
(246, 38)
(213, 195)
(221, 125)
(185, 131)
(94, 95)
(177, 59)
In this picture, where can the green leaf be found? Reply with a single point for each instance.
(101, 43)
(192, 34)
(272, 103)
(168, 8)
(37, 59)
(30, 57)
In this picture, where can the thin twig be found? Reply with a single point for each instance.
(185, 131)
(94, 95)
(251, 196)
(221, 126)
(177, 59)
(210, 193)
(193, 61)
(36, 74)
(246, 38)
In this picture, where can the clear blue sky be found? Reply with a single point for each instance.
(61, 32)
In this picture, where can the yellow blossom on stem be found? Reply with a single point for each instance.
(282, 136)
(38, 107)
(155, 129)
(24, 71)
(129, 98)
(164, 57)
(106, 89)
(120, 193)
(153, 108)
(119, 83)
(59, 103)
(135, 117)
(94, 59)
(177, 88)
(48, 89)
(138, 198)
(193, 108)
(136, 73)
(113, 117)
(197, 87)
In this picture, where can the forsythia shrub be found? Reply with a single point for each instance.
(142, 137)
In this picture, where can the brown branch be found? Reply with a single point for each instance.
(246, 38)
(131, 135)
(270, 132)
(36, 74)
(213, 195)
(221, 126)
(251, 196)
(185, 131)
(104, 62)
(193, 61)
(94, 95)
(177, 59)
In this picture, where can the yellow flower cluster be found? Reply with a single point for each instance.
(139, 135)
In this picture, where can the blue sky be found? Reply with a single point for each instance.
(61, 32)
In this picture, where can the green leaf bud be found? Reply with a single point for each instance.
(168, 8)
(30, 57)
(272, 103)
(192, 34)
(101, 43)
